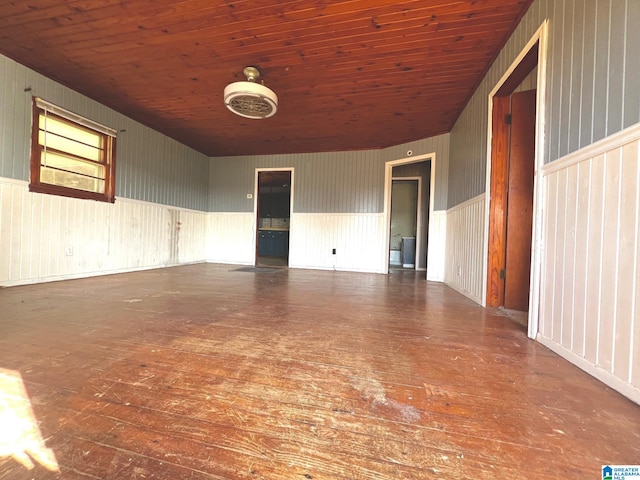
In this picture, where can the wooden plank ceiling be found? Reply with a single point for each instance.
(350, 75)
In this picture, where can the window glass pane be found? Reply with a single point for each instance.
(64, 129)
(50, 159)
(71, 180)
(52, 140)
(72, 159)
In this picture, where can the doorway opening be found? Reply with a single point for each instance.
(511, 187)
(274, 189)
(409, 202)
(404, 222)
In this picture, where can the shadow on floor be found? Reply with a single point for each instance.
(281, 262)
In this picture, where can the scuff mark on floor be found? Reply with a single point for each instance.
(371, 390)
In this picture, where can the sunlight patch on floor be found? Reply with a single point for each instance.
(20, 436)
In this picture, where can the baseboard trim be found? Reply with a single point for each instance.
(463, 292)
(605, 377)
(229, 262)
(76, 276)
(334, 269)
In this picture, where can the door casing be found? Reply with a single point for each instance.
(255, 205)
(388, 177)
(539, 38)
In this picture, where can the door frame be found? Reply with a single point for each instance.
(540, 37)
(384, 254)
(255, 206)
(418, 216)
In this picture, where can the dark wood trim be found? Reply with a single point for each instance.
(110, 174)
(34, 178)
(524, 68)
(69, 192)
(498, 201)
(109, 153)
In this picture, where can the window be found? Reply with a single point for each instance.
(70, 155)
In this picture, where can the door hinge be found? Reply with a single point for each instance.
(507, 119)
(503, 274)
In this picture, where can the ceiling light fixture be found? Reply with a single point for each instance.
(250, 99)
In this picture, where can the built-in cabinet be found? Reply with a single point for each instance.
(273, 243)
(274, 212)
(275, 202)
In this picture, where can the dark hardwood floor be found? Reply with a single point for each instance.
(213, 372)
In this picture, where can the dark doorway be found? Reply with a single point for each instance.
(274, 214)
(409, 217)
(404, 224)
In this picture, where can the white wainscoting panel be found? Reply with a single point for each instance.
(47, 237)
(590, 293)
(465, 247)
(437, 245)
(359, 240)
(231, 238)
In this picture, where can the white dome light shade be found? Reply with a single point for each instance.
(250, 99)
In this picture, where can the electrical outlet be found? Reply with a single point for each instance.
(333, 252)
(68, 251)
(459, 270)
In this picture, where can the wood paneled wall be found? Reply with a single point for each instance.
(439, 145)
(436, 251)
(465, 248)
(529, 83)
(150, 166)
(593, 75)
(589, 273)
(359, 240)
(231, 238)
(323, 182)
(590, 305)
(47, 237)
(330, 182)
(343, 192)
(156, 169)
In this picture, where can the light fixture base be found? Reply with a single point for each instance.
(249, 98)
(252, 73)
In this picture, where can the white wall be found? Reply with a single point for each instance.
(436, 249)
(590, 283)
(48, 237)
(465, 247)
(357, 238)
(151, 224)
(230, 238)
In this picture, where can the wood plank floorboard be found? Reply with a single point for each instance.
(209, 372)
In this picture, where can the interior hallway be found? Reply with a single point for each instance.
(211, 371)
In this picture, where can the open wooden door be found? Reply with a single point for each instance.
(520, 201)
(511, 209)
